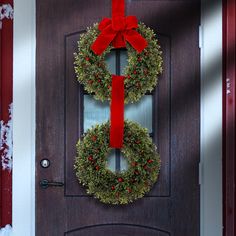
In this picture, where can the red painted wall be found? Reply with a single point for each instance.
(229, 115)
(6, 81)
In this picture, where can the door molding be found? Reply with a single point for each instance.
(24, 119)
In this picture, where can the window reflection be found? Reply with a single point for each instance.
(111, 161)
(99, 112)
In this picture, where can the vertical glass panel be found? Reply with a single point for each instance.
(141, 112)
(123, 60)
(94, 112)
(99, 112)
(110, 60)
(111, 161)
(123, 163)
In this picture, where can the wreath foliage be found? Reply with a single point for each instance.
(117, 187)
(140, 73)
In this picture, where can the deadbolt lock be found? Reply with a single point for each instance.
(45, 163)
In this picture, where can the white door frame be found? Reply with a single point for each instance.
(24, 118)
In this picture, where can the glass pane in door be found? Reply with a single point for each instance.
(99, 112)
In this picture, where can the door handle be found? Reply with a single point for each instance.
(45, 184)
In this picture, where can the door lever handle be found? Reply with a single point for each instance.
(45, 184)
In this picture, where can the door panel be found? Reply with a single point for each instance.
(172, 206)
(118, 229)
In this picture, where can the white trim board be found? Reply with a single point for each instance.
(211, 119)
(24, 119)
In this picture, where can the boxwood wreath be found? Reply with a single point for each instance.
(140, 73)
(117, 187)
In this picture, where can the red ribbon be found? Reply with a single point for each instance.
(117, 112)
(118, 30)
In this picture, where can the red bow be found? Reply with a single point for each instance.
(117, 31)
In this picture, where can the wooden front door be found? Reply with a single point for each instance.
(172, 207)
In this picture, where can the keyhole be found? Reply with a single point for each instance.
(45, 163)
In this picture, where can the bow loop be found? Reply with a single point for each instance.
(131, 22)
(104, 23)
(118, 30)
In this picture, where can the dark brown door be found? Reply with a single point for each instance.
(172, 207)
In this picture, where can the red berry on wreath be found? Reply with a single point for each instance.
(150, 161)
(134, 163)
(145, 167)
(128, 76)
(139, 59)
(120, 180)
(97, 167)
(90, 158)
(135, 72)
(129, 190)
(113, 188)
(87, 58)
(94, 138)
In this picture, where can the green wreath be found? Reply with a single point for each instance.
(117, 187)
(141, 72)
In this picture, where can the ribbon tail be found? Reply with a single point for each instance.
(136, 40)
(117, 112)
(102, 42)
(118, 8)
